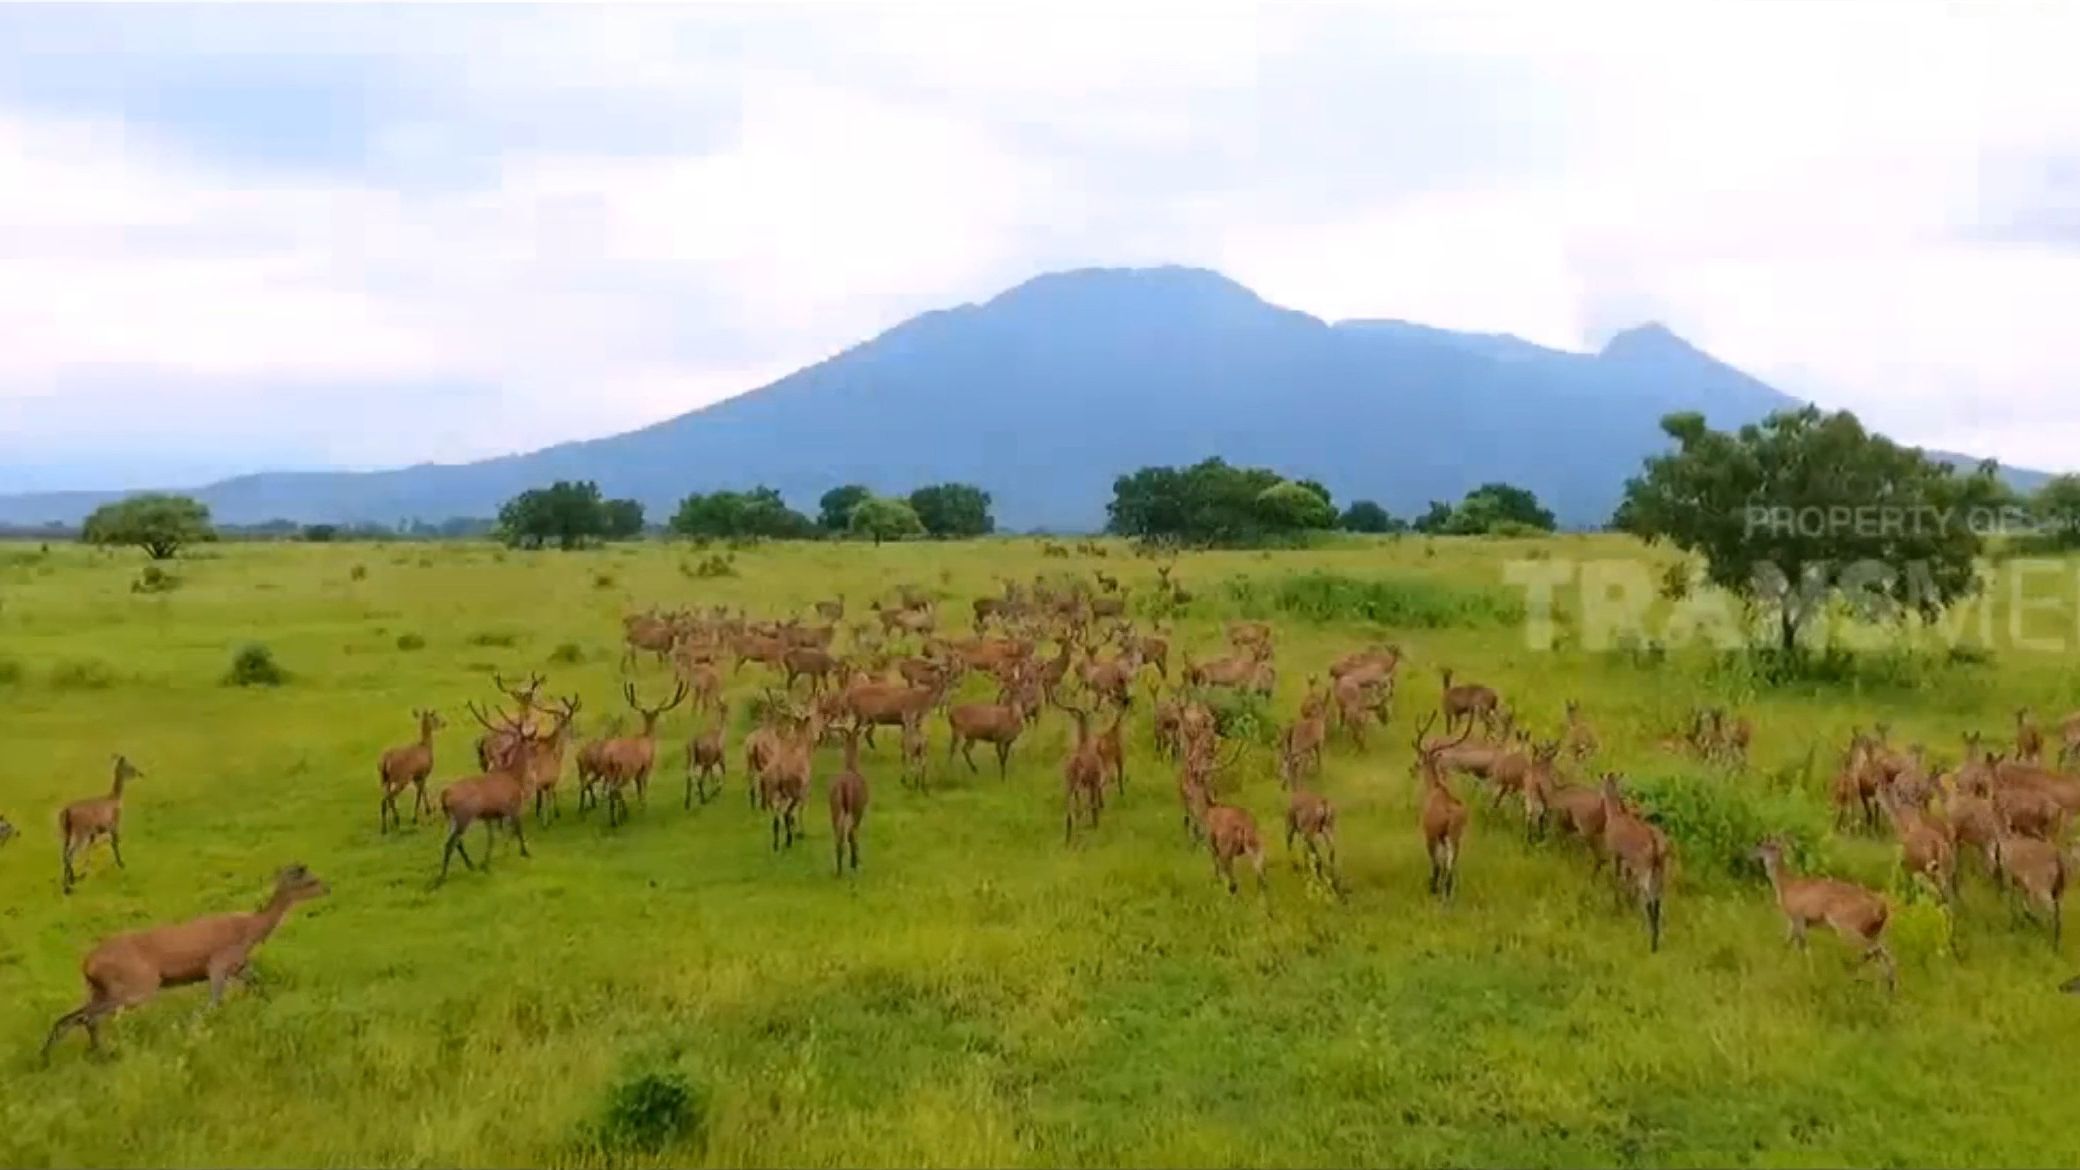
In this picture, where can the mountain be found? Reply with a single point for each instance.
(1046, 392)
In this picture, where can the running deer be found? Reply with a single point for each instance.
(628, 760)
(84, 822)
(1925, 849)
(1466, 702)
(783, 781)
(1856, 914)
(707, 755)
(1112, 751)
(1312, 819)
(496, 797)
(592, 762)
(129, 969)
(848, 804)
(407, 766)
(1639, 855)
(1444, 815)
(1231, 833)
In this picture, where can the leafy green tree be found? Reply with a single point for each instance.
(621, 519)
(834, 510)
(953, 510)
(885, 518)
(1493, 504)
(1368, 516)
(758, 512)
(2053, 512)
(567, 512)
(1435, 519)
(1210, 502)
(1294, 507)
(321, 533)
(1778, 507)
(154, 521)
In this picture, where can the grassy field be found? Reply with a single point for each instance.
(979, 993)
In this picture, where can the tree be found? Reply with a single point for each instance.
(885, 518)
(155, 522)
(2053, 513)
(1367, 516)
(321, 533)
(1211, 502)
(834, 510)
(734, 515)
(1435, 519)
(953, 510)
(1774, 507)
(1294, 507)
(1493, 504)
(621, 519)
(568, 512)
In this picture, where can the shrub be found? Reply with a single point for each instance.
(254, 666)
(1332, 597)
(712, 565)
(603, 580)
(500, 638)
(358, 573)
(567, 653)
(646, 1111)
(1715, 822)
(82, 674)
(410, 642)
(1243, 715)
(155, 580)
(10, 671)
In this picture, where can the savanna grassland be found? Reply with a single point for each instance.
(978, 994)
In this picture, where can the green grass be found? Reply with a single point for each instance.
(674, 992)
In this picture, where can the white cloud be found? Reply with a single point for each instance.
(1799, 188)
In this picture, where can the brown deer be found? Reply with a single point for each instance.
(493, 743)
(817, 665)
(2068, 739)
(915, 747)
(2029, 738)
(1112, 751)
(2038, 869)
(1925, 849)
(1231, 833)
(848, 804)
(889, 704)
(998, 724)
(628, 760)
(545, 760)
(1466, 702)
(496, 797)
(1302, 747)
(407, 766)
(1856, 914)
(1580, 740)
(783, 781)
(706, 756)
(84, 822)
(832, 611)
(129, 969)
(592, 762)
(1083, 774)
(1167, 723)
(1639, 854)
(1312, 819)
(1443, 815)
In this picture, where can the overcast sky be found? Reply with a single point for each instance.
(237, 238)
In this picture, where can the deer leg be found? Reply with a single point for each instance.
(967, 748)
(65, 855)
(776, 832)
(419, 800)
(519, 824)
(454, 847)
(115, 845)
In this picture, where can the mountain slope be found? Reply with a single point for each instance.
(1046, 392)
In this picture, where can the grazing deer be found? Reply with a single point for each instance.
(1444, 815)
(848, 804)
(2038, 869)
(498, 796)
(83, 822)
(1311, 818)
(1466, 702)
(2029, 738)
(1856, 914)
(407, 766)
(1083, 774)
(1639, 856)
(707, 755)
(628, 760)
(128, 969)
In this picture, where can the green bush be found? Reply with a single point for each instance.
(82, 674)
(154, 579)
(254, 666)
(1715, 822)
(358, 573)
(1325, 597)
(500, 638)
(567, 654)
(712, 565)
(1243, 715)
(603, 580)
(646, 1111)
(10, 671)
(410, 642)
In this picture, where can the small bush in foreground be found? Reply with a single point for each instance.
(155, 580)
(410, 642)
(82, 674)
(647, 1111)
(254, 666)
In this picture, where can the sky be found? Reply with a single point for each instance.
(244, 237)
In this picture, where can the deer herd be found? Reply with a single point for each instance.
(1040, 646)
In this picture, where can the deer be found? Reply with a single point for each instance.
(848, 795)
(1083, 774)
(407, 766)
(1167, 723)
(2068, 739)
(1354, 702)
(915, 747)
(2029, 738)
(1856, 914)
(545, 760)
(1231, 833)
(592, 762)
(7, 830)
(127, 970)
(783, 781)
(2038, 869)
(997, 724)
(813, 663)
(1639, 854)
(1925, 850)
(628, 760)
(1580, 812)
(84, 822)
(889, 704)
(832, 611)
(1302, 749)
(704, 683)
(1312, 819)
(707, 755)
(1465, 702)
(498, 796)
(1443, 814)
(493, 743)
(1112, 751)
(1580, 740)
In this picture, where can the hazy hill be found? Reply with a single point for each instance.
(1046, 392)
